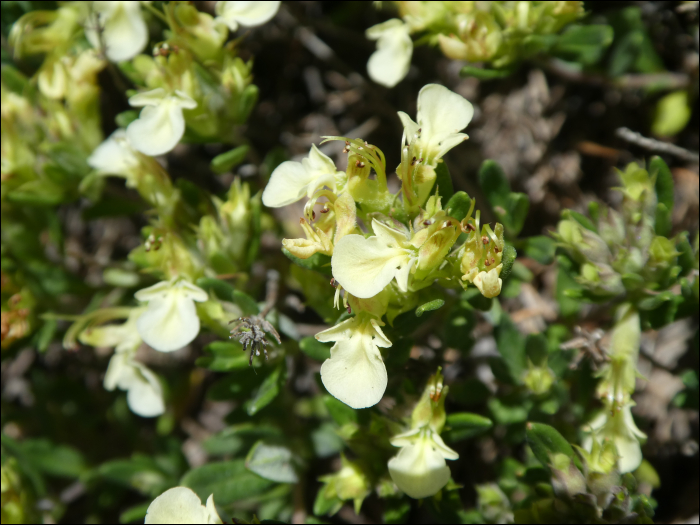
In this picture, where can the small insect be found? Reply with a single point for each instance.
(589, 344)
(250, 332)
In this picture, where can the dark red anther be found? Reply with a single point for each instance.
(359, 164)
(485, 239)
(413, 162)
(349, 309)
(470, 227)
(487, 263)
(324, 210)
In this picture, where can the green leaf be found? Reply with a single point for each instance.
(566, 283)
(465, 425)
(233, 439)
(581, 219)
(672, 114)
(139, 472)
(273, 462)
(37, 193)
(509, 255)
(584, 44)
(255, 228)
(686, 257)
(339, 411)
(54, 460)
(494, 183)
(229, 481)
(227, 292)
(324, 505)
(536, 349)
(443, 182)
(429, 307)
(125, 118)
(458, 206)
(663, 182)
(509, 411)
(268, 391)
(625, 53)
(511, 346)
(540, 248)
(225, 161)
(662, 220)
(545, 441)
(246, 303)
(315, 349)
(135, 513)
(518, 206)
(227, 356)
(485, 74)
(318, 262)
(510, 208)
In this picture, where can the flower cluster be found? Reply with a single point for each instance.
(409, 242)
(495, 32)
(419, 468)
(627, 255)
(192, 84)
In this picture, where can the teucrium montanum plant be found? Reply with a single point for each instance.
(191, 82)
(419, 468)
(409, 243)
(492, 32)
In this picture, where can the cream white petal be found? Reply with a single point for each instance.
(53, 80)
(380, 339)
(405, 438)
(365, 266)
(442, 449)
(170, 321)
(158, 290)
(403, 272)
(410, 128)
(355, 373)
(317, 163)
(442, 112)
(489, 283)
(192, 291)
(419, 470)
(158, 128)
(145, 395)
(289, 182)
(114, 156)
(177, 505)
(248, 14)
(340, 332)
(211, 509)
(630, 453)
(390, 63)
(388, 235)
(122, 336)
(120, 373)
(124, 33)
(154, 97)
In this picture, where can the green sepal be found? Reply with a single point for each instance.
(318, 262)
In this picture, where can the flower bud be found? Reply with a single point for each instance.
(489, 283)
(567, 480)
